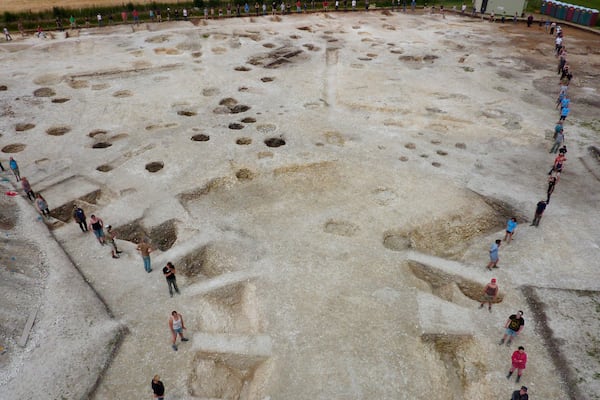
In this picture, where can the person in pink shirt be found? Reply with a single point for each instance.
(519, 361)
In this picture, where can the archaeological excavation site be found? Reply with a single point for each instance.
(327, 186)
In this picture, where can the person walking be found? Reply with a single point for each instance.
(14, 167)
(177, 326)
(539, 211)
(7, 34)
(158, 389)
(514, 325)
(97, 226)
(559, 138)
(79, 217)
(489, 294)
(520, 394)
(42, 205)
(564, 113)
(552, 181)
(145, 250)
(494, 255)
(110, 239)
(27, 189)
(169, 272)
(559, 163)
(519, 362)
(511, 226)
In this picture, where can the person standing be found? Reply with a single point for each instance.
(520, 394)
(494, 255)
(110, 239)
(99, 18)
(539, 211)
(490, 292)
(558, 141)
(158, 389)
(97, 226)
(519, 362)
(72, 22)
(552, 181)
(7, 34)
(27, 189)
(564, 112)
(42, 205)
(511, 226)
(136, 16)
(177, 326)
(514, 325)
(169, 272)
(145, 250)
(12, 163)
(79, 217)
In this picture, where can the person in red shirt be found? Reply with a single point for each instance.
(519, 361)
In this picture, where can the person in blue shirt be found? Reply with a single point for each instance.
(563, 113)
(14, 168)
(494, 255)
(511, 225)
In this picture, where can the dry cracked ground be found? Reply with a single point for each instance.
(327, 185)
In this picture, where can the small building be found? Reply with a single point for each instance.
(500, 7)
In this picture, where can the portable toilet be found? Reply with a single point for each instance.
(570, 12)
(594, 18)
(549, 6)
(576, 14)
(585, 17)
(562, 12)
(543, 8)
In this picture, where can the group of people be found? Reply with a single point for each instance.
(515, 322)
(38, 200)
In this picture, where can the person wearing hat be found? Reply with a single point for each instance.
(520, 394)
(514, 325)
(489, 294)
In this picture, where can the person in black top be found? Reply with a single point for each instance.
(539, 210)
(514, 325)
(158, 388)
(520, 394)
(79, 217)
(169, 272)
(552, 181)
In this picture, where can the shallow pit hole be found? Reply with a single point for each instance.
(97, 132)
(58, 130)
(200, 138)
(44, 92)
(403, 158)
(267, 79)
(14, 148)
(436, 164)
(434, 141)
(249, 120)
(104, 168)
(228, 102)
(460, 146)
(244, 174)
(242, 89)
(236, 126)
(242, 69)
(101, 145)
(60, 100)
(22, 127)
(410, 146)
(154, 166)
(442, 152)
(274, 142)
(186, 113)
(268, 45)
(239, 108)
(3, 88)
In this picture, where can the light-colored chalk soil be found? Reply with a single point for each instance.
(327, 186)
